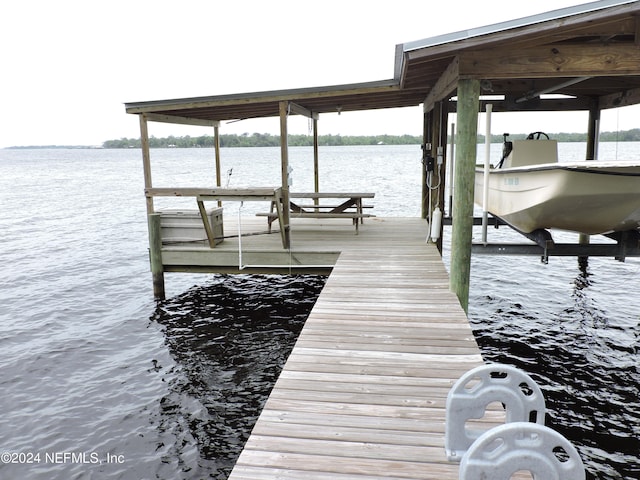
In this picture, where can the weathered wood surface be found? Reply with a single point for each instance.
(462, 231)
(331, 195)
(557, 61)
(236, 194)
(314, 243)
(195, 191)
(362, 395)
(318, 214)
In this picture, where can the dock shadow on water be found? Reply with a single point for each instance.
(230, 340)
(585, 360)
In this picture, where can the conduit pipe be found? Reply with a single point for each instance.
(487, 166)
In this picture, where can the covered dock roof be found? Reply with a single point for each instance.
(316, 100)
(588, 56)
(589, 52)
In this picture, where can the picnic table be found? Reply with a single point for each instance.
(270, 194)
(324, 205)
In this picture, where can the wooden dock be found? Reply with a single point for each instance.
(316, 244)
(362, 395)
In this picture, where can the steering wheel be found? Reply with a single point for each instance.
(536, 136)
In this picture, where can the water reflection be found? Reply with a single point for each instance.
(585, 362)
(230, 339)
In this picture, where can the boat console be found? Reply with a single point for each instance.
(532, 151)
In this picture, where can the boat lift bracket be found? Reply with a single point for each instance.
(624, 248)
(627, 244)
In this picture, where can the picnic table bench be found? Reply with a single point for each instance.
(342, 205)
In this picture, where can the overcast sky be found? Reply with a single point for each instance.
(68, 66)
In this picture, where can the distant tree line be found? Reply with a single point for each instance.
(263, 140)
(268, 140)
(622, 136)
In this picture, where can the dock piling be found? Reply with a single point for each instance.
(464, 177)
(155, 256)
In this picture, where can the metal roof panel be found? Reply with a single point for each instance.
(510, 24)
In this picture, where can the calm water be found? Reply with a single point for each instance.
(107, 384)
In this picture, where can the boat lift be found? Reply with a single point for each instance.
(627, 243)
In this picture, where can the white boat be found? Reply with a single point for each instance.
(533, 191)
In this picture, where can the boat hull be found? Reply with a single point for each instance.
(591, 198)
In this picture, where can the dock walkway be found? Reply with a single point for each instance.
(362, 395)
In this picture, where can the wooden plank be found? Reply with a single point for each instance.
(388, 393)
(446, 347)
(310, 205)
(205, 222)
(163, 118)
(553, 61)
(390, 369)
(365, 422)
(435, 398)
(351, 450)
(332, 195)
(344, 465)
(240, 194)
(426, 317)
(260, 473)
(377, 380)
(319, 214)
(386, 332)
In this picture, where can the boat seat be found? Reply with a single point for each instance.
(532, 152)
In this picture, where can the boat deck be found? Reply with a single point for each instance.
(362, 395)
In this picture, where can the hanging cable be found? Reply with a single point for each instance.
(240, 266)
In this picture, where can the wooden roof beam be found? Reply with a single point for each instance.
(276, 96)
(553, 61)
(540, 105)
(444, 87)
(156, 117)
(300, 110)
(621, 99)
(535, 105)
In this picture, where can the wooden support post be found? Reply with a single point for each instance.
(146, 159)
(284, 156)
(153, 219)
(316, 160)
(155, 255)
(462, 230)
(216, 144)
